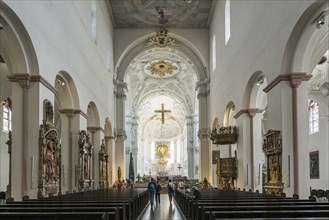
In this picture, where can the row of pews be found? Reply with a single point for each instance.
(215, 204)
(106, 204)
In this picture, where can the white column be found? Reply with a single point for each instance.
(119, 131)
(190, 145)
(203, 133)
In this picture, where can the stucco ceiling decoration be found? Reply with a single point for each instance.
(161, 39)
(177, 13)
(161, 68)
(147, 91)
(319, 82)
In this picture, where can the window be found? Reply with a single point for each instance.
(214, 53)
(313, 115)
(227, 21)
(6, 115)
(93, 21)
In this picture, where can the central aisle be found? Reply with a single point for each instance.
(164, 211)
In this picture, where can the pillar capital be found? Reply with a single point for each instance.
(120, 134)
(120, 89)
(203, 133)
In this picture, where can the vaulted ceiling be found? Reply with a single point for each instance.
(152, 13)
(156, 76)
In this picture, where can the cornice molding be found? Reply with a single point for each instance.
(94, 128)
(24, 80)
(71, 112)
(251, 112)
(295, 80)
(44, 82)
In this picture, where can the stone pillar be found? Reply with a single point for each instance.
(110, 152)
(119, 131)
(290, 117)
(250, 113)
(190, 145)
(94, 133)
(134, 141)
(203, 133)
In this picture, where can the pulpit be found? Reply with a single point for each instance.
(226, 168)
(226, 171)
(273, 152)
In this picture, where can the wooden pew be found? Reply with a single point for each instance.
(53, 216)
(127, 203)
(206, 210)
(109, 212)
(214, 215)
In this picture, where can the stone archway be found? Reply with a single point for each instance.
(20, 60)
(187, 54)
(67, 108)
(93, 128)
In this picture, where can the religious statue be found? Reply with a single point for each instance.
(50, 161)
(119, 173)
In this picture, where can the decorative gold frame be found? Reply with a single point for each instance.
(162, 150)
(161, 68)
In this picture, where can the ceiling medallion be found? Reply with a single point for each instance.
(161, 68)
(161, 39)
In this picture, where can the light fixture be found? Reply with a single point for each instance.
(60, 80)
(260, 80)
(320, 20)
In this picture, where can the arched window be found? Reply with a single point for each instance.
(213, 49)
(6, 115)
(93, 21)
(227, 21)
(313, 115)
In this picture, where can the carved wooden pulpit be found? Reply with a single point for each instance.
(86, 151)
(226, 168)
(226, 171)
(273, 152)
(49, 154)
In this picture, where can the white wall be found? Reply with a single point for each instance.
(61, 34)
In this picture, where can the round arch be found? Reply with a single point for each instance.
(93, 115)
(307, 43)
(255, 86)
(228, 115)
(108, 128)
(187, 49)
(16, 46)
(67, 95)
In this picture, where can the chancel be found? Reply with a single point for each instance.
(227, 99)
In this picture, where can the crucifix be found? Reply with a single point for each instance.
(162, 111)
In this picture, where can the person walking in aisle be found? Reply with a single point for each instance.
(158, 192)
(171, 190)
(152, 189)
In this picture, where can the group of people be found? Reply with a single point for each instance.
(155, 188)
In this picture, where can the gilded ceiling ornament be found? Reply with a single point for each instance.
(161, 68)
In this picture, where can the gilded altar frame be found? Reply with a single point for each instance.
(273, 152)
(49, 155)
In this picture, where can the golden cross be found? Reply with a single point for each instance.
(162, 111)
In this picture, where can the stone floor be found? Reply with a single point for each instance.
(164, 211)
